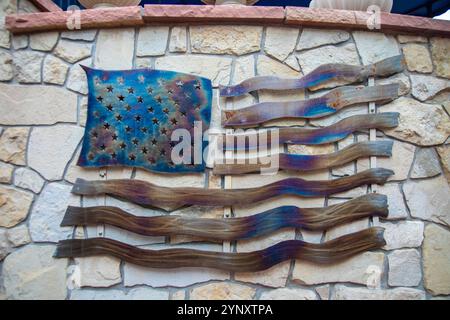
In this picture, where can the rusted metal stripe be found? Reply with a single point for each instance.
(325, 76)
(150, 195)
(297, 162)
(310, 136)
(325, 105)
(331, 251)
(233, 228)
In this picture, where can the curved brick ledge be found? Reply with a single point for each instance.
(135, 16)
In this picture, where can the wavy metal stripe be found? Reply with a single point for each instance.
(297, 162)
(309, 136)
(150, 195)
(325, 105)
(328, 252)
(233, 228)
(325, 76)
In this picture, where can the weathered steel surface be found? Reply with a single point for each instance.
(298, 162)
(331, 251)
(308, 109)
(309, 136)
(148, 194)
(232, 228)
(325, 76)
(132, 115)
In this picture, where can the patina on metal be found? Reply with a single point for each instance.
(306, 162)
(313, 219)
(331, 251)
(325, 105)
(132, 115)
(309, 136)
(150, 195)
(325, 76)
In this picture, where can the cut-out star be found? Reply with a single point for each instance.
(137, 118)
(128, 129)
(140, 99)
(163, 131)
(162, 152)
(197, 86)
(113, 155)
(179, 83)
(144, 150)
(174, 121)
(102, 147)
(95, 134)
(150, 109)
(166, 110)
(135, 141)
(106, 125)
(154, 141)
(183, 113)
(144, 129)
(121, 97)
(115, 136)
(170, 91)
(110, 88)
(100, 99)
(155, 121)
(130, 90)
(132, 157)
(159, 99)
(149, 90)
(91, 156)
(128, 107)
(109, 107)
(122, 145)
(119, 117)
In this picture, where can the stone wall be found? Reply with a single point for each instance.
(43, 111)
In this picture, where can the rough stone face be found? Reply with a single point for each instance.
(114, 49)
(404, 268)
(347, 228)
(400, 161)
(28, 179)
(312, 38)
(6, 66)
(280, 42)
(397, 207)
(427, 87)
(440, 51)
(20, 41)
(407, 234)
(32, 273)
(436, 260)
(269, 67)
(31, 105)
(5, 247)
(222, 291)
(358, 269)
(55, 70)
(429, 199)
(411, 38)
(44, 41)
(48, 212)
(244, 68)
(178, 42)
(101, 271)
(71, 51)
(85, 35)
(419, 123)
(13, 142)
(444, 157)
(237, 40)
(18, 236)
(152, 41)
(292, 62)
(311, 59)
(217, 69)
(417, 58)
(178, 295)
(50, 149)
(6, 171)
(28, 66)
(375, 46)
(288, 294)
(143, 293)
(342, 292)
(323, 292)
(77, 80)
(426, 164)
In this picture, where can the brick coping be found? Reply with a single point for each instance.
(206, 14)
